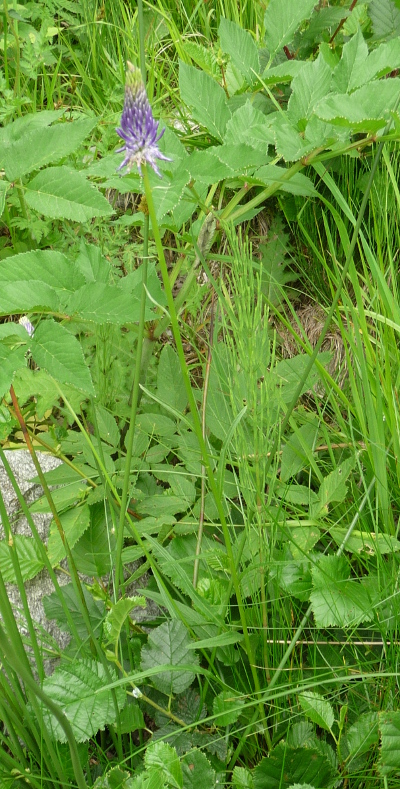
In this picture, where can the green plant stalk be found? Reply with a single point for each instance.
(40, 545)
(13, 659)
(207, 238)
(8, 20)
(52, 763)
(43, 482)
(20, 191)
(95, 647)
(335, 301)
(306, 616)
(6, 76)
(21, 586)
(229, 213)
(132, 421)
(296, 637)
(135, 398)
(132, 525)
(197, 424)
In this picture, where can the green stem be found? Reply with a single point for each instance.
(13, 659)
(197, 424)
(332, 310)
(21, 586)
(94, 644)
(134, 407)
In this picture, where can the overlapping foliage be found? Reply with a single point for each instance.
(269, 528)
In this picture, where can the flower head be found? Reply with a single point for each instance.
(25, 322)
(138, 128)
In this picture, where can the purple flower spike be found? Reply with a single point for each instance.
(138, 128)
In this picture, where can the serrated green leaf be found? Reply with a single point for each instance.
(206, 98)
(301, 786)
(54, 610)
(369, 542)
(29, 558)
(168, 645)
(27, 296)
(59, 352)
(362, 735)
(303, 539)
(24, 125)
(63, 498)
(227, 706)
(380, 61)
(74, 522)
(113, 779)
(281, 20)
(11, 360)
(389, 725)
(169, 192)
(298, 450)
(197, 771)
(131, 719)
(310, 86)
(242, 778)
(239, 44)
(294, 578)
(92, 264)
(204, 58)
(352, 62)
(108, 427)
(336, 600)
(161, 757)
(299, 495)
(224, 161)
(317, 709)
(385, 18)
(49, 267)
(39, 384)
(93, 554)
(79, 689)
(103, 303)
(365, 110)
(332, 488)
(286, 765)
(282, 73)
(248, 125)
(290, 144)
(62, 193)
(274, 175)
(40, 146)
(290, 372)
(156, 424)
(170, 387)
(117, 616)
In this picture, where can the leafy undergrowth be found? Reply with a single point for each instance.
(213, 357)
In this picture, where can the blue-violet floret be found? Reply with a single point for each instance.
(138, 128)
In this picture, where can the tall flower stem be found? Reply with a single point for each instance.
(139, 356)
(133, 414)
(197, 426)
